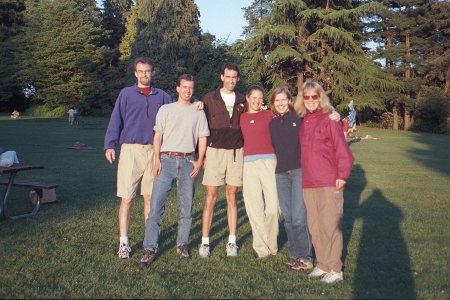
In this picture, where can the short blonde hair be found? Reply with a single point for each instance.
(324, 101)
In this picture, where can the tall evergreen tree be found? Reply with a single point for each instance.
(115, 13)
(168, 32)
(11, 20)
(58, 53)
(413, 46)
(320, 40)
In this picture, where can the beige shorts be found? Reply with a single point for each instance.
(223, 166)
(135, 165)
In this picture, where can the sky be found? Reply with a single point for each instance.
(223, 18)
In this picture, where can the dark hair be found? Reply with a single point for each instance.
(143, 60)
(231, 66)
(187, 77)
(251, 90)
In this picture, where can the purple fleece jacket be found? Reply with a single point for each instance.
(133, 117)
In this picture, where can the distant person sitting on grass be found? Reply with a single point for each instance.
(15, 114)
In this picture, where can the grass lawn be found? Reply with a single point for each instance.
(396, 227)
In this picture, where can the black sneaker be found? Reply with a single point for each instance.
(147, 258)
(182, 251)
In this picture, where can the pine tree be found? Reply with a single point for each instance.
(319, 40)
(115, 13)
(58, 53)
(411, 41)
(11, 20)
(168, 32)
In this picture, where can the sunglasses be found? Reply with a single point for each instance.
(313, 97)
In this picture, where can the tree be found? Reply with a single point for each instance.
(414, 44)
(11, 20)
(322, 40)
(58, 53)
(168, 32)
(115, 13)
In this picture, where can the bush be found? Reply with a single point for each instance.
(432, 112)
(386, 121)
(44, 111)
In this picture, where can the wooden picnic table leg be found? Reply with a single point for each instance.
(4, 204)
(4, 210)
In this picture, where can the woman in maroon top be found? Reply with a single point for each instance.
(259, 184)
(326, 162)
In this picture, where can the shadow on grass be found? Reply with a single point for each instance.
(437, 156)
(383, 268)
(219, 228)
(356, 184)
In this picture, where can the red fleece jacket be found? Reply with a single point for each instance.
(324, 151)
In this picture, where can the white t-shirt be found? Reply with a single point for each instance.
(229, 99)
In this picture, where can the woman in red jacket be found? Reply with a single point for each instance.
(326, 164)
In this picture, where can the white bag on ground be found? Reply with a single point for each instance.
(8, 158)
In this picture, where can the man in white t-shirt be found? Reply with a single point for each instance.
(224, 155)
(178, 128)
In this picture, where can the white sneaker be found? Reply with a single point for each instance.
(232, 249)
(332, 277)
(124, 251)
(316, 272)
(204, 250)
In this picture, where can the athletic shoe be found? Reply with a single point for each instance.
(182, 251)
(232, 249)
(300, 265)
(332, 277)
(147, 258)
(307, 263)
(292, 261)
(203, 251)
(124, 251)
(316, 273)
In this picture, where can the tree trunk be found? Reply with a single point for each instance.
(407, 119)
(395, 113)
(408, 72)
(447, 79)
(299, 81)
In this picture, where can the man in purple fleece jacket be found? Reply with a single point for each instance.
(131, 125)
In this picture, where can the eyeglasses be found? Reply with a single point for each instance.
(141, 72)
(311, 97)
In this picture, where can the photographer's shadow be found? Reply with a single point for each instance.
(383, 266)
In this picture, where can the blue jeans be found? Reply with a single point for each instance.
(290, 195)
(172, 167)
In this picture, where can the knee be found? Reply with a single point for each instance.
(126, 203)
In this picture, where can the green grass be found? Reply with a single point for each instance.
(396, 227)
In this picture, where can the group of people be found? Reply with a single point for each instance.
(293, 157)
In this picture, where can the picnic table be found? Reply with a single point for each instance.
(11, 181)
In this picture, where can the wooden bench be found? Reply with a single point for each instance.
(34, 185)
(38, 188)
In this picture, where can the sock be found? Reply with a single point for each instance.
(124, 240)
(232, 239)
(205, 240)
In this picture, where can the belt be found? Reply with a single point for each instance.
(173, 153)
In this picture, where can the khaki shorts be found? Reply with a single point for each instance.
(223, 166)
(135, 165)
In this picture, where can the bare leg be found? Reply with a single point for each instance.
(146, 207)
(124, 216)
(211, 193)
(231, 208)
